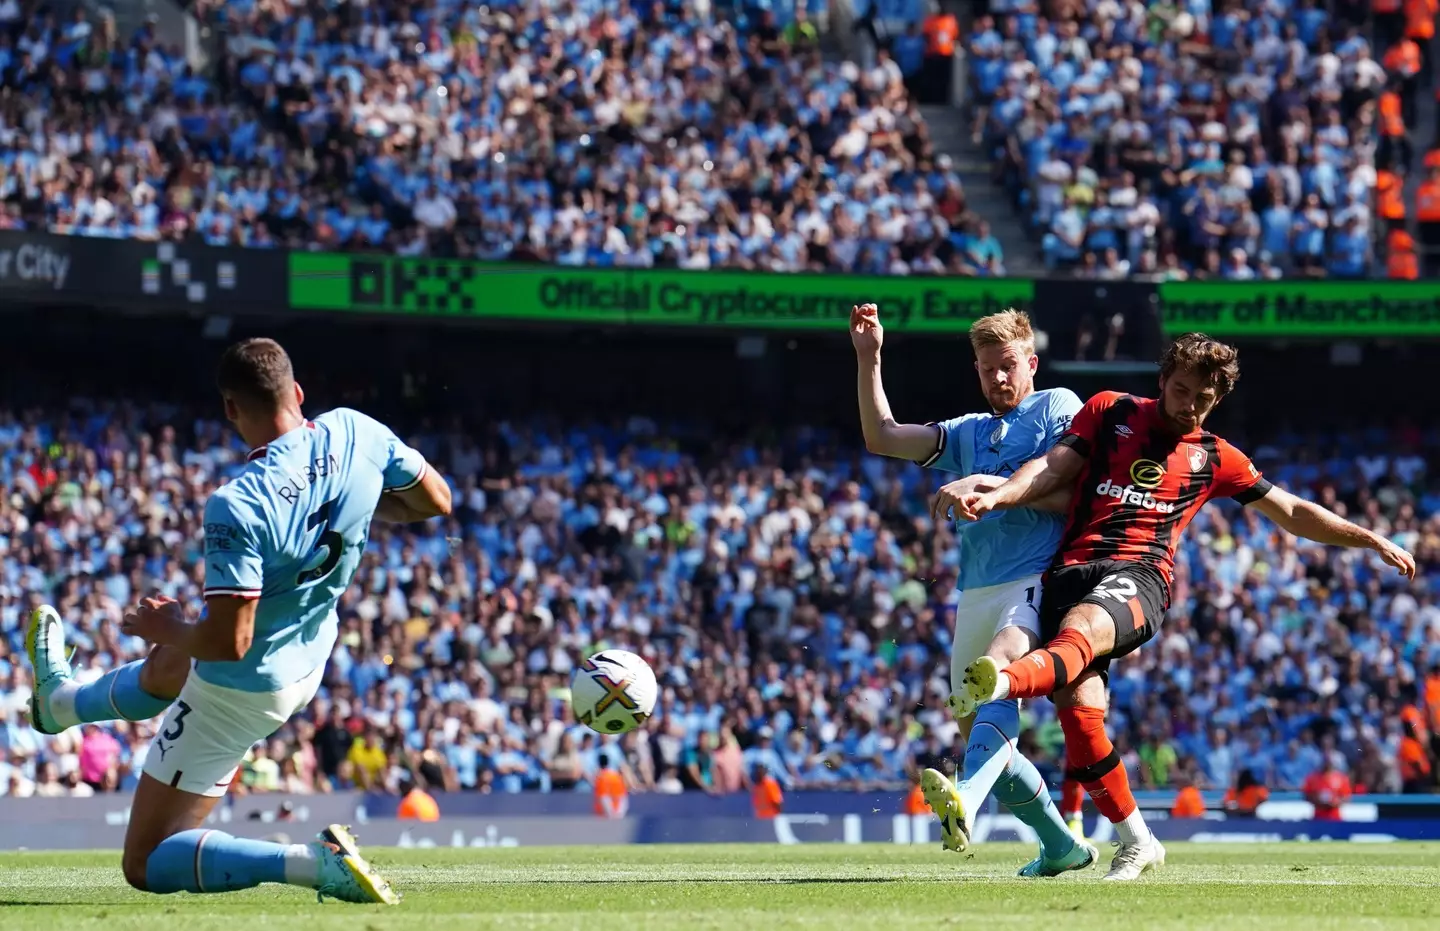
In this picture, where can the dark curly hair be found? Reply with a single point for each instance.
(1216, 363)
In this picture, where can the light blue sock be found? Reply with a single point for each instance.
(116, 696)
(212, 861)
(989, 750)
(1023, 791)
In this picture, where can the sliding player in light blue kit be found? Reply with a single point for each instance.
(282, 541)
(1001, 563)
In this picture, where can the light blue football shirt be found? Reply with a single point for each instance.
(1005, 545)
(290, 530)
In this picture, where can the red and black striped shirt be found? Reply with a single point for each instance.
(1141, 485)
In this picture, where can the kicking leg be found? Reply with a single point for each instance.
(1093, 762)
(1087, 631)
(993, 763)
(997, 621)
(991, 745)
(137, 691)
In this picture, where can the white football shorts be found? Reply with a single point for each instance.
(210, 728)
(981, 613)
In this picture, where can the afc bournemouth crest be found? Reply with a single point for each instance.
(1197, 457)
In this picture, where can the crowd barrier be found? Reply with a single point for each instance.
(525, 820)
(189, 278)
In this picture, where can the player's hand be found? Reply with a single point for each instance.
(866, 333)
(154, 619)
(947, 502)
(976, 505)
(1397, 557)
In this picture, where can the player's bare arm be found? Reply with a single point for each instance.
(1311, 521)
(884, 436)
(430, 498)
(1036, 480)
(224, 635)
(948, 498)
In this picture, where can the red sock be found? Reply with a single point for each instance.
(1072, 797)
(1094, 763)
(1051, 667)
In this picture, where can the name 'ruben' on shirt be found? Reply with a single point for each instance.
(289, 530)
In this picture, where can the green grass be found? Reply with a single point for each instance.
(769, 887)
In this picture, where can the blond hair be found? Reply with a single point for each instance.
(1007, 326)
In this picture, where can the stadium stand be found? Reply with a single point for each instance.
(788, 590)
(595, 133)
(1233, 141)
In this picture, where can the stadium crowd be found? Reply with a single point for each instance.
(792, 596)
(1237, 140)
(1167, 140)
(582, 133)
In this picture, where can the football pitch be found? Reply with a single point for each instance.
(768, 887)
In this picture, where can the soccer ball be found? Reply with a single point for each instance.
(613, 692)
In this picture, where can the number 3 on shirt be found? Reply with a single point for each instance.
(1119, 587)
(331, 544)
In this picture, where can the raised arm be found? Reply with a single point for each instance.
(884, 436)
(1313, 522)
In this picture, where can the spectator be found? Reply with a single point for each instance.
(416, 804)
(612, 794)
(914, 804)
(260, 772)
(565, 769)
(1328, 790)
(1189, 803)
(1159, 761)
(1416, 771)
(99, 759)
(1246, 796)
(368, 759)
(766, 796)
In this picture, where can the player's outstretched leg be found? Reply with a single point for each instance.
(1024, 792)
(200, 860)
(137, 691)
(1087, 632)
(1094, 763)
(1037, 673)
(992, 731)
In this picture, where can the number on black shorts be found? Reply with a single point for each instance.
(177, 727)
(1119, 587)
